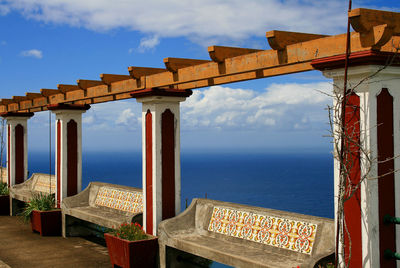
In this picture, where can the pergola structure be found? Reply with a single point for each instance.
(375, 40)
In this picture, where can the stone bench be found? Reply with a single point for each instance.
(245, 236)
(37, 183)
(104, 204)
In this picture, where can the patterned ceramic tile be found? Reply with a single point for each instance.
(43, 184)
(278, 232)
(119, 199)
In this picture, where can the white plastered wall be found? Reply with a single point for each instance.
(157, 105)
(368, 90)
(65, 116)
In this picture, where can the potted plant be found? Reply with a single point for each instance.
(44, 217)
(130, 246)
(4, 199)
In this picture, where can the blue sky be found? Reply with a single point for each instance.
(48, 42)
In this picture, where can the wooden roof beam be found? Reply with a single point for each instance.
(6, 101)
(48, 92)
(363, 20)
(279, 40)
(85, 84)
(219, 53)
(111, 78)
(66, 88)
(31, 96)
(19, 98)
(137, 72)
(174, 64)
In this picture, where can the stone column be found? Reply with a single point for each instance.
(68, 138)
(161, 154)
(17, 147)
(372, 119)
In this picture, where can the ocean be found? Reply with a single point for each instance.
(297, 182)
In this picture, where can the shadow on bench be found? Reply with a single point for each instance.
(245, 236)
(100, 206)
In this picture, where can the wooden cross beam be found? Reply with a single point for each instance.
(66, 88)
(31, 96)
(293, 53)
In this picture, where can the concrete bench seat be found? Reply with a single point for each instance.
(245, 236)
(37, 183)
(103, 204)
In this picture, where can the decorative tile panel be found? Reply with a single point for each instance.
(119, 199)
(278, 232)
(43, 184)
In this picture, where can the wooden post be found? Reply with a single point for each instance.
(17, 147)
(372, 121)
(161, 154)
(68, 149)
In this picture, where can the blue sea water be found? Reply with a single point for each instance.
(297, 182)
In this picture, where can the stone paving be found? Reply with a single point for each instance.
(20, 247)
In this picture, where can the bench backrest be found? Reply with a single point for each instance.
(278, 232)
(120, 199)
(41, 183)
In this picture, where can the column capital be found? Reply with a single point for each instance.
(369, 57)
(161, 95)
(69, 107)
(14, 114)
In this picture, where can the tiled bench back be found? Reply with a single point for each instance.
(119, 199)
(43, 184)
(293, 235)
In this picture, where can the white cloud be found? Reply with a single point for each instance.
(148, 43)
(280, 106)
(127, 118)
(33, 53)
(4, 9)
(203, 21)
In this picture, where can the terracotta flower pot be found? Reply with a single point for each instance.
(47, 223)
(5, 205)
(124, 253)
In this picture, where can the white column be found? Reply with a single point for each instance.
(17, 147)
(68, 139)
(368, 90)
(161, 156)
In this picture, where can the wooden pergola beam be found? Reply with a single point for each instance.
(138, 72)
(174, 64)
(111, 78)
(85, 84)
(6, 101)
(363, 20)
(31, 96)
(66, 88)
(201, 73)
(19, 98)
(49, 92)
(279, 40)
(220, 53)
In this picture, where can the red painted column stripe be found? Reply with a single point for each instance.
(58, 163)
(19, 154)
(9, 155)
(149, 173)
(168, 164)
(386, 193)
(352, 207)
(72, 158)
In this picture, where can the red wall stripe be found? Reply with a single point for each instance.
(9, 155)
(168, 164)
(352, 207)
(58, 163)
(72, 158)
(19, 154)
(149, 173)
(387, 232)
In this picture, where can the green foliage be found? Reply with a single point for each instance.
(3, 188)
(41, 202)
(131, 232)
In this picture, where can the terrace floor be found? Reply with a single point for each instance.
(20, 247)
